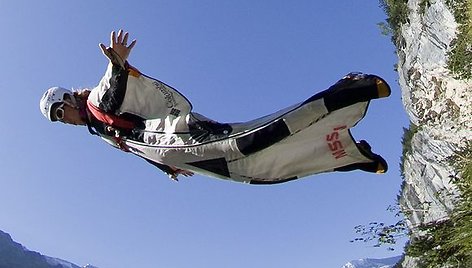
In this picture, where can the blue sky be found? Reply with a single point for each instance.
(67, 194)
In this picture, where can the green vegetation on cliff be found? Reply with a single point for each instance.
(449, 243)
(460, 54)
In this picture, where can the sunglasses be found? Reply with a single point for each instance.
(59, 112)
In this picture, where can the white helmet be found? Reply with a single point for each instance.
(52, 96)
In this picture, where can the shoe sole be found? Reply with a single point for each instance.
(383, 89)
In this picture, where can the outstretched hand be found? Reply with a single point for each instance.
(119, 44)
(183, 172)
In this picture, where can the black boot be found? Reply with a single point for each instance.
(354, 88)
(378, 164)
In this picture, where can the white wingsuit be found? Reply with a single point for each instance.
(307, 138)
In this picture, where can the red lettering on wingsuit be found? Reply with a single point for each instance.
(334, 144)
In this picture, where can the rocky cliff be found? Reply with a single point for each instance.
(440, 109)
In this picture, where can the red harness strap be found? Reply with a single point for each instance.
(109, 119)
(113, 121)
